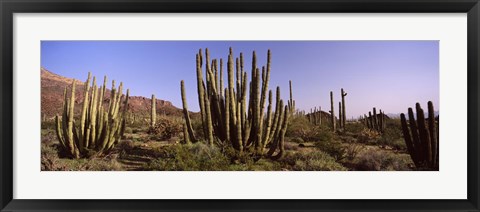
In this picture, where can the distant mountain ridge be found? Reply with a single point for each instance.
(397, 115)
(53, 85)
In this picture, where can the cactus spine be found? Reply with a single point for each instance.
(227, 115)
(100, 128)
(421, 138)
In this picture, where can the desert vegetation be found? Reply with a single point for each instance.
(243, 125)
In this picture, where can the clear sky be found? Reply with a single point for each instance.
(388, 75)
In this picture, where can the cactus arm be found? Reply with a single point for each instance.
(433, 133)
(82, 135)
(185, 112)
(275, 138)
(208, 114)
(201, 90)
(415, 136)
(424, 136)
(269, 121)
(70, 129)
(408, 139)
(58, 130)
(227, 115)
(282, 135)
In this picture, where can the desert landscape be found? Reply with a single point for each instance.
(241, 122)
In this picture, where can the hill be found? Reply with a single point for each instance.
(53, 85)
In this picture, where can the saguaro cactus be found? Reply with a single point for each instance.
(421, 138)
(153, 114)
(227, 117)
(344, 114)
(291, 102)
(340, 120)
(100, 127)
(332, 113)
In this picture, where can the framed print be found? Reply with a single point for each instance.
(266, 105)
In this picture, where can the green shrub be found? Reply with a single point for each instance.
(165, 129)
(393, 135)
(48, 124)
(322, 133)
(297, 140)
(355, 128)
(51, 161)
(128, 130)
(333, 148)
(299, 127)
(312, 161)
(368, 136)
(352, 150)
(378, 160)
(194, 157)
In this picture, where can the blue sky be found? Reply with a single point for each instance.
(388, 75)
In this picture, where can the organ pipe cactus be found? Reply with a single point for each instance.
(421, 137)
(376, 121)
(100, 127)
(226, 115)
(188, 122)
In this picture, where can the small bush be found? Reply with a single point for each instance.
(322, 134)
(194, 157)
(368, 136)
(312, 161)
(393, 135)
(50, 161)
(197, 128)
(333, 148)
(297, 140)
(299, 127)
(352, 150)
(128, 130)
(377, 160)
(165, 129)
(48, 136)
(355, 128)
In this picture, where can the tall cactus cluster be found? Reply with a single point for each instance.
(421, 137)
(315, 116)
(376, 121)
(235, 114)
(100, 127)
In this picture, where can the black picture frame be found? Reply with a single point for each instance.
(9, 7)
